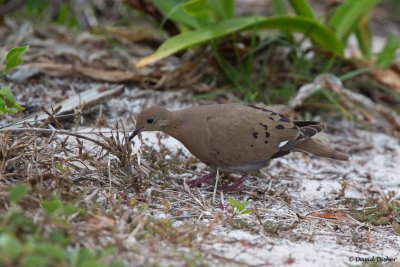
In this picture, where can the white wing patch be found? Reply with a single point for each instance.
(281, 144)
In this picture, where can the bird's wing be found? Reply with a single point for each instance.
(242, 134)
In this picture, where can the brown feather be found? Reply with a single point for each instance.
(315, 147)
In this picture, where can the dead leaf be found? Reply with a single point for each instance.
(139, 33)
(334, 215)
(387, 77)
(57, 69)
(167, 205)
(98, 222)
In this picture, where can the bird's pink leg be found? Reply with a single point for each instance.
(202, 179)
(235, 186)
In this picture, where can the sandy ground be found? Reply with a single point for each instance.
(301, 210)
(283, 226)
(311, 184)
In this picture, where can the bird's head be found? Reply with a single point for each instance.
(151, 119)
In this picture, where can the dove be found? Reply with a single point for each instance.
(235, 138)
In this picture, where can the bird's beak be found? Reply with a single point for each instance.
(135, 132)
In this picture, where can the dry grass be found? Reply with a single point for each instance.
(94, 191)
(148, 216)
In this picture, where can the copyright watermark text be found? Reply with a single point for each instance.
(373, 259)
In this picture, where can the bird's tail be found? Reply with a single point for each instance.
(314, 147)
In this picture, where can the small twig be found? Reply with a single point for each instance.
(216, 184)
(109, 174)
(52, 131)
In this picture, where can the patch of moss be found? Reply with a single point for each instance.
(275, 228)
(383, 213)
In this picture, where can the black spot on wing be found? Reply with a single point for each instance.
(264, 126)
(255, 135)
(306, 123)
(280, 127)
(267, 134)
(283, 119)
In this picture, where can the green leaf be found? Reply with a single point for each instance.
(10, 248)
(83, 258)
(58, 236)
(364, 35)
(7, 102)
(196, 8)
(247, 211)
(222, 9)
(232, 202)
(18, 192)
(50, 250)
(279, 7)
(36, 6)
(53, 205)
(173, 9)
(70, 209)
(117, 263)
(303, 8)
(14, 57)
(210, 11)
(347, 16)
(319, 34)
(241, 205)
(35, 260)
(7, 95)
(388, 53)
(65, 17)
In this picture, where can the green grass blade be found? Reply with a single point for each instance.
(321, 35)
(200, 10)
(173, 9)
(224, 9)
(364, 36)
(279, 7)
(196, 8)
(208, 11)
(355, 73)
(302, 8)
(388, 53)
(347, 16)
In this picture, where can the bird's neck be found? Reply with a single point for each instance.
(175, 125)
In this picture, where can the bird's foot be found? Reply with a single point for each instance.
(202, 179)
(235, 186)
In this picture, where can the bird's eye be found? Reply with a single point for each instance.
(150, 121)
